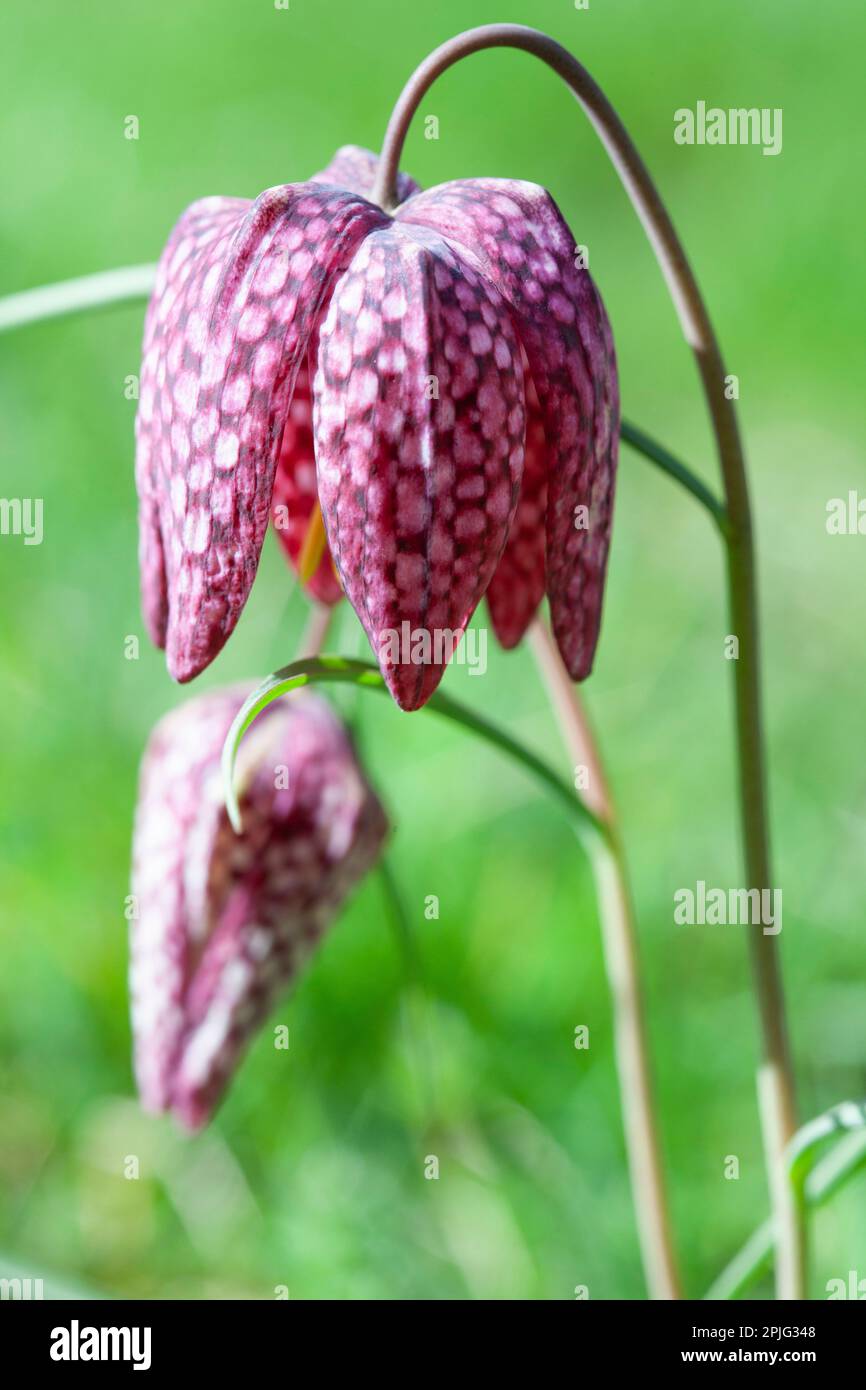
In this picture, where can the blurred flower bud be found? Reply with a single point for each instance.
(225, 921)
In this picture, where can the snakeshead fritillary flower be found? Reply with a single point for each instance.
(517, 586)
(224, 920)
(419, 325)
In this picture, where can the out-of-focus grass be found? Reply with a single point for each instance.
(313, 1175)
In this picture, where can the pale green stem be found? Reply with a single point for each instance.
(344, 671)
(639, 440)
(108, 287)
(621, 954)
(319, 624)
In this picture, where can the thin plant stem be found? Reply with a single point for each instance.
(619, 938)
(776, 1094)
(106, 288)
(342, 670)
(643, 443)
(315, 634)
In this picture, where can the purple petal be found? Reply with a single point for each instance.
(419, 428)
(518, 585)
(239, 289)
(517, 236)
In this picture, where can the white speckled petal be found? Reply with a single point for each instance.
(419, 429)
(239, 289)
(515, 234)
(225, 921)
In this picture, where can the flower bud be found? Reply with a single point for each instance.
(225, 920)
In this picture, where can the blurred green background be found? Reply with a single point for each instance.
(312, 1175)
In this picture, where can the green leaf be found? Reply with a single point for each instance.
(839, 1119)
(814, 1186)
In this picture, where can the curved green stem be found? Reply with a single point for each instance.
(593, 831)
(644, 444)
(775, 1075)
(311, 671)
(839, 1119)
(825, 1179)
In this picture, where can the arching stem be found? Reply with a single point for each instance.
(619, 940)
(775, 1079)
(643, 443)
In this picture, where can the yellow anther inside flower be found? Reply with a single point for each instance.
(313, 548)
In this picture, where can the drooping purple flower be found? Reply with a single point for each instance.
(414, 329)
(225, 920)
